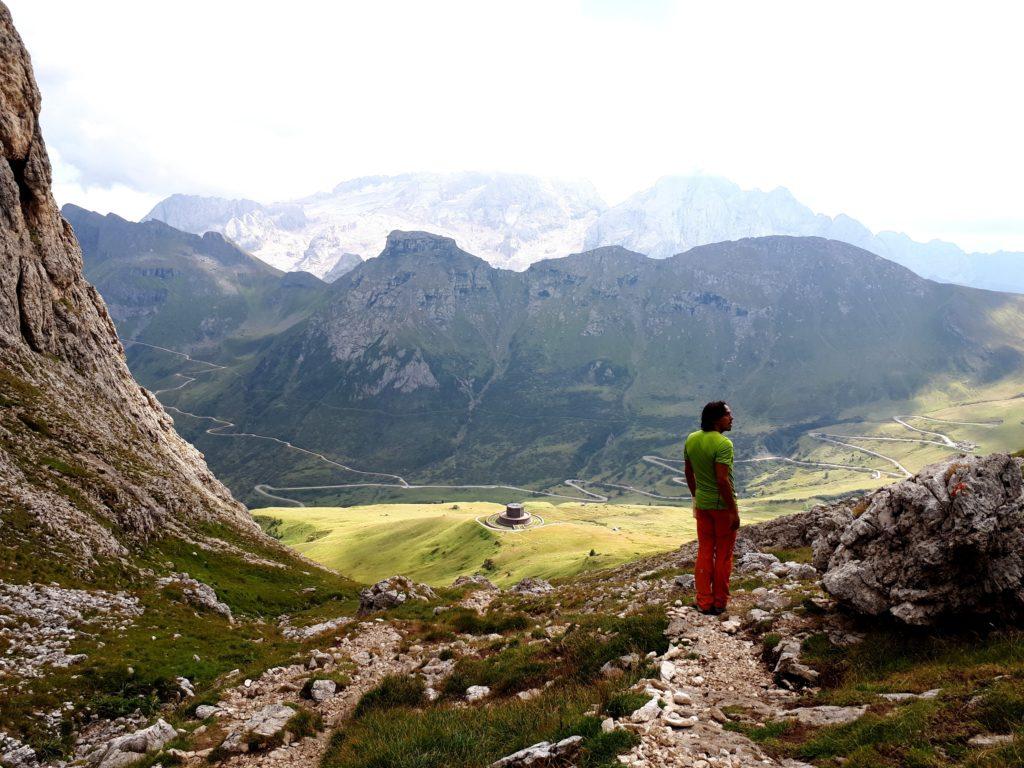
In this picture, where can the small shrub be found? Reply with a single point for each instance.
(471, 623)
(1002, 709)
(624, 703)
(768, 732)
(305, 723)
(513, 669)
(393, 691)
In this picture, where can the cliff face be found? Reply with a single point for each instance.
(89, 462)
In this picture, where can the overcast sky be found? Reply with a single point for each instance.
(904, 115)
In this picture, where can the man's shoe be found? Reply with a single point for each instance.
(709, 611)
(716, 611)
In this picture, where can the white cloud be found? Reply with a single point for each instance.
(903, 115)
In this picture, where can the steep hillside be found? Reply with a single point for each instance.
(175, 289)
(429, 364)
(126, 566)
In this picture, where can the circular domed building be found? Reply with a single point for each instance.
(514, 516)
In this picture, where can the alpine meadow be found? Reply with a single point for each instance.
(455, 385)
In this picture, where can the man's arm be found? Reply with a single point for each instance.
(726, 492)
(691, 479)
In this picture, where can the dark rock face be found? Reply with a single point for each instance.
(89, 461)
(947, 542)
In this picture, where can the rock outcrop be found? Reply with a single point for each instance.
(532, 586)
(90, 464)
(130, 748)
(392, 592)
(196, 593)
(947, 542)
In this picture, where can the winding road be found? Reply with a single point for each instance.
(389, 480)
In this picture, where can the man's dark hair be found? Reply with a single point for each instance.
(711, 414)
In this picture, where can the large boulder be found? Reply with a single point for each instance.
(476, 580)
(196, 593)
(262, 727)
(393, 592)
(948, 541)
(543, 754)
(532, 586)
(130, 748)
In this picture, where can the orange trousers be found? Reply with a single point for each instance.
(715, 540)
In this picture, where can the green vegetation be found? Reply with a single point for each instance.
(435, 543)
(136, 668)
(390, 693)
(395, 727)
(441, 736)
(981, 677)
(623, 703)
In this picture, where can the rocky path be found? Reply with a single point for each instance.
(708, 667)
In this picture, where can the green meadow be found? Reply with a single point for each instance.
(436, 543)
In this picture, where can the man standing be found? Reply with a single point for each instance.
(708, 455)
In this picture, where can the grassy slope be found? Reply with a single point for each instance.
(1000, 403)
(437, 542)
(135, 668)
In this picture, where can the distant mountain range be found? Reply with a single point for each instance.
(430, 363)
(513, 221)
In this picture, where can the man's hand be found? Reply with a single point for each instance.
(734, 523)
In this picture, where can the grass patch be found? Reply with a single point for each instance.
(65, 468)
(466, 621)
(514, 669)
(876, 740)
(623, 703)
(392, 692)
(800, 555)
(474, 737)
(763, 734)
(981, 677)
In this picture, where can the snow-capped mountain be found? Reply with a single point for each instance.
(511, 220)
(680, 212)
(514, 220)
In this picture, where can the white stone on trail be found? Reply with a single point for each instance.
(678, 721)
(667, 671)
(204, 711)
(648, 712)
(825, 714)
(732, 626)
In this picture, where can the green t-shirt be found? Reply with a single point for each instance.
(704, 450)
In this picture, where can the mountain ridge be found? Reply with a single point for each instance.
(609, 353)
(513, 221)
